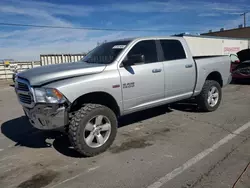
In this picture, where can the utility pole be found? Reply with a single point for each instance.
(244, 16)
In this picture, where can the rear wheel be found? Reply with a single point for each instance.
(92, 129)
(210, 96)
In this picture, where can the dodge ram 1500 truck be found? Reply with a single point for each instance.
(114, 79)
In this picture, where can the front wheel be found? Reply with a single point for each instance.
(92, 129)
(210, 97)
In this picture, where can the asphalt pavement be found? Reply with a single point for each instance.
(169, 147)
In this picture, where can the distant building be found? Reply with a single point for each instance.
(241, 32)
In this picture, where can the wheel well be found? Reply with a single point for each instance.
(216, 76)
(96, 98)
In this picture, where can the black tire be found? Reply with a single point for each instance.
(203, 96)
(78, 123)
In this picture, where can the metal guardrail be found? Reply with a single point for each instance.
(59, 58)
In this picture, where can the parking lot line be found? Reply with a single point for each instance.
(163, 180)
(74, 177)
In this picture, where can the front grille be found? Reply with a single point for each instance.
(25, 98)
(24, 93)
(22, 86)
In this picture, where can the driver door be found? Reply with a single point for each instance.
(142, 83)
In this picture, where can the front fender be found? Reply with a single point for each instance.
(73, 88)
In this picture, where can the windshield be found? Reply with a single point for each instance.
(105, 53)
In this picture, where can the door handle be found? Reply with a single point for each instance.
(156, 70)
(188, 65)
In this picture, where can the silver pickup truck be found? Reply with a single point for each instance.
(86, 98)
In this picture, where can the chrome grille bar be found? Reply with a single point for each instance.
(22, 87)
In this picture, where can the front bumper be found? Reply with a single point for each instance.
(240, 76)
(45, 117)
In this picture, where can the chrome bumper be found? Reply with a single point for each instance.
(46, 117)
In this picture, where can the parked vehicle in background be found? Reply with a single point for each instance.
(15, 69)
(86, 98)
(240, 66)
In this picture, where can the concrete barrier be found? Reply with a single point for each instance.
(6, 71)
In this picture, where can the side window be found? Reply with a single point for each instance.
(146, 48)
(172, 50)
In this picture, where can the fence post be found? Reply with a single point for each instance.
(32, 64)
(41, 60)
(5, 72)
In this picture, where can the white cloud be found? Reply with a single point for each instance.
(150, 6)
(54, 9)
(176, 6)
(208, 14)
(28, 43)
(109, 23)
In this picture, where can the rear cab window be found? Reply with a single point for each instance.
(172, 50)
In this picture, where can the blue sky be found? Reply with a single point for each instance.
(173, 16)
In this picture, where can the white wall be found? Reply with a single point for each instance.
(201, 46)
(6, 72)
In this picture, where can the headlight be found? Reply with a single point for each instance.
(48, 95)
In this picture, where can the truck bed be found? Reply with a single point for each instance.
(208, 64)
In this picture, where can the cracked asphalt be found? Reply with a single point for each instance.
(169, 146)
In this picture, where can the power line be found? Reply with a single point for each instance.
(85, 28)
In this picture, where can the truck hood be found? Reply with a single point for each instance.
(44, 74)
(244, 55)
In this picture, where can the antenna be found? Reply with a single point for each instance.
(244, 16)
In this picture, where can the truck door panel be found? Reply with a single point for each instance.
(179, 70)
(142, 83)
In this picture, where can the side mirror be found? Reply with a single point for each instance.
(134, 59)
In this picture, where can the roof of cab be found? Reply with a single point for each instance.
(148, 37)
